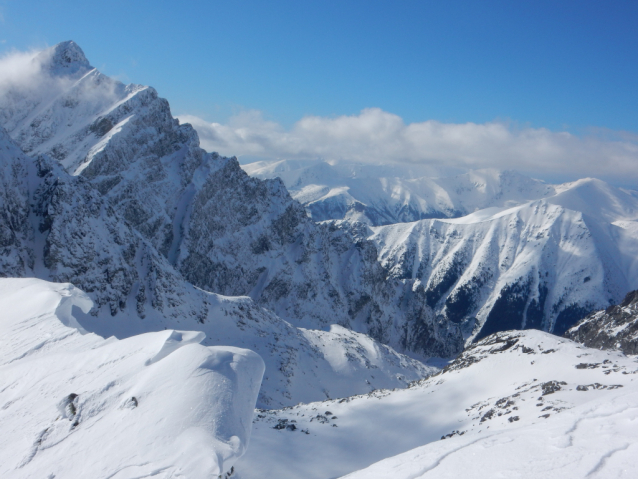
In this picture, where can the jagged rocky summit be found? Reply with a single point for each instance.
(60, 228)
(221, 229)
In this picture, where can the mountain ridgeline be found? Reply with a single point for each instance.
(539, 256)
(221, 229)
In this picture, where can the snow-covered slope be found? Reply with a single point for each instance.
(613, 328)
(77, 405)
(387, 195)
(58, 227)
(595, 440)
(515, 404)
(222, 230)
(544, 264)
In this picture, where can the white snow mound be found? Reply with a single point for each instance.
(73, 404)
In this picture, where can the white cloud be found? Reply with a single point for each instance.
(34, 76)
(376, 136)
(19, 70)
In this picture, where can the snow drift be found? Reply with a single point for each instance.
(77, 405)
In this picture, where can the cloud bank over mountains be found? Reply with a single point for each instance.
(22, 69)
(376, 136)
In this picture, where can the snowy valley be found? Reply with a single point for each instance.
(384, 321)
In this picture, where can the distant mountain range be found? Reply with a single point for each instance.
(382, 195)
(493, 250)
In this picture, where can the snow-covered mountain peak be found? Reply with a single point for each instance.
(596, 199)
(547, 262)
(65, 58)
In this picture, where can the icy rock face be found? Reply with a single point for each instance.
(58, 227)
(374, 195)
(115, 404)
(312, 275)
(15, 231)
(543, 265)
(613, 328)
(224, 231)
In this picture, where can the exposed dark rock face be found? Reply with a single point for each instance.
(508, 310)
(613, 328)
(60, 228)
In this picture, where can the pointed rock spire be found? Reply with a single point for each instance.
(65, 58)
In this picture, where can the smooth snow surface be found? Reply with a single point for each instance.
(516, 404)
(76, 405)
(596, 440)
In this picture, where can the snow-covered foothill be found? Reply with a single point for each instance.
(77, 405)
(518, 403)
(544, 264)
(596, 440)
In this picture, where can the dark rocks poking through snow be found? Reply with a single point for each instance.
(613, 328)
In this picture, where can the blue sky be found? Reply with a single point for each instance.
(544, 87)
(555, 64)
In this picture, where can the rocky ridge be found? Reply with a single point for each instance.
(613, 328)
(60, 228)
(222, 230)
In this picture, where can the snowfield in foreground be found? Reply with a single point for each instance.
(73, 404)
(596, 440)
(516, 404)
